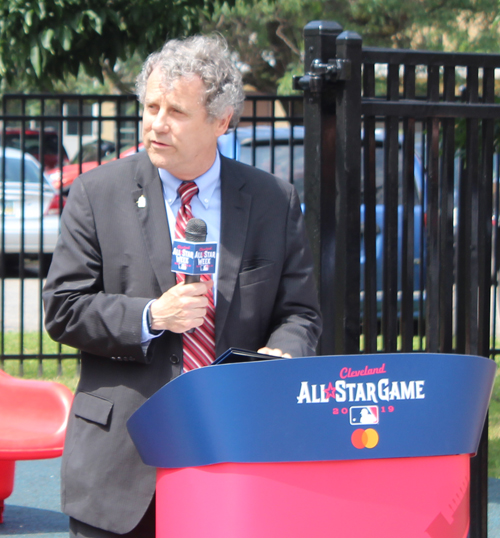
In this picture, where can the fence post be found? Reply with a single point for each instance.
(319, 169)
(347, 238)
(479, 464)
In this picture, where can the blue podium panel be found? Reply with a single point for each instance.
(351, 407)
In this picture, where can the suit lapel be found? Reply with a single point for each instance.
(150, 209)
(235, 215)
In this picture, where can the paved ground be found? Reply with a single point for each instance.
(32, 511)
(33, 508)
(18, 292)
(493, 508)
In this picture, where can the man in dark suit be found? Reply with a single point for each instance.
(110, 291)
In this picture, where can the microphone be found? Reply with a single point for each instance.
(196, 232)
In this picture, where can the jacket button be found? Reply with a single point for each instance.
(174, 359)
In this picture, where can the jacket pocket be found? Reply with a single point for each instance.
(259, 274)
(92, 408)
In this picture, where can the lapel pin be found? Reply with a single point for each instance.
(141, 202)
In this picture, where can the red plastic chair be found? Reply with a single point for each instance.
(33, 419)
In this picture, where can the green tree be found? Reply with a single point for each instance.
(267, 34)
(98, 45)
(451, 25)
(46, 41)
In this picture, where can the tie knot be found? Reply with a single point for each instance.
(186, 191)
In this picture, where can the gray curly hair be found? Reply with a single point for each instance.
(205, 56)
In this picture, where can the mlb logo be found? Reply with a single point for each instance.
(363, 414)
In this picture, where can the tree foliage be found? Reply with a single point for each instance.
(449, 25)
(267, 34)
(45, 41)
(56, 44)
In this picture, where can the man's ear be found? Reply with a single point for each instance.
(223, 123)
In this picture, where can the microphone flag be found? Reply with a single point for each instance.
(192, 258)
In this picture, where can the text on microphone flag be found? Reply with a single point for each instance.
(193, 258)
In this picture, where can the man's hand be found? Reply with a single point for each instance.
(181, 308)
(274, 352)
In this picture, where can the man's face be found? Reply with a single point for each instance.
(177, 132)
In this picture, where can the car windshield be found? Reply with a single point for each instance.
(89, 152)
(284, 159)
(132, 148)
(260, 155)
(13, 171)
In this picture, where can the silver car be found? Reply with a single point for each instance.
(28, 204)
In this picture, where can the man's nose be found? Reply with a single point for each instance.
(160, 122)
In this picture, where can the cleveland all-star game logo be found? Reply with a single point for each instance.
(370, 399)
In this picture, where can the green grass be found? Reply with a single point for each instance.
(29, 343)
(494, 431)
(64, 371)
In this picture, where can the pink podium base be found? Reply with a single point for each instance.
(386, 498)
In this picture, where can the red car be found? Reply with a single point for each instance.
(71, 171)
(32, 145)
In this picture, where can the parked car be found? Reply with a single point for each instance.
(279, 151)
(419, 223)
(89, 152)
(254, 145)
(32, 145)
(71, 171)
(26, 203)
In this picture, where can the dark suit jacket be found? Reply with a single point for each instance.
(112, 258)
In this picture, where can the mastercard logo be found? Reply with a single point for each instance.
(364, 438)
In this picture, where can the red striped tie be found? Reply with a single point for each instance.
(199, 345)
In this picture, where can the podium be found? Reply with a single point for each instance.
(346, 446)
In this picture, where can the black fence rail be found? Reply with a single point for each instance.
(47, 141)
(401, 152)
(401, 190)
(409, 199)
(39, 133)
(451, 129)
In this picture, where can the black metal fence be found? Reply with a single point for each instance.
(401, 190)
(69, 134)
(39, 134)
(427, 167)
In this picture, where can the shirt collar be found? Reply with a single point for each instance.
(206, 183)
